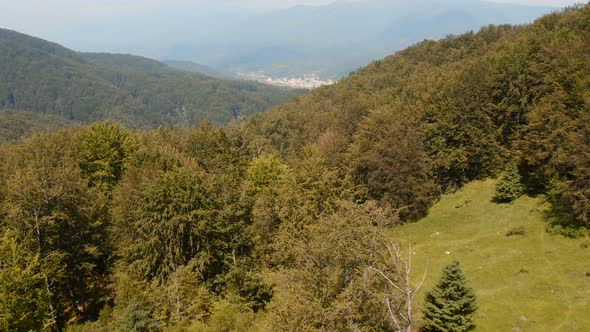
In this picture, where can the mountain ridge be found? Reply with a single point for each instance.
(46, 77)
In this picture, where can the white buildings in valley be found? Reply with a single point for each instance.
(306, 82)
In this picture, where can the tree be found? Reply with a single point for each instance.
(57, 219)
(104, 150)
(389, 158)
(398, 279)
(22, 299)
(138, 318)
(509, 187)
(327, 288)
(165, 222)
(450, 305)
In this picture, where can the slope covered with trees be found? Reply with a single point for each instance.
(44, 77)
(283, 223)
(440, 114)
(16, 124)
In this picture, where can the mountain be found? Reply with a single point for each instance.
(298, 218)
(15, 125)
(332, 40)
(47, 78)
(195, 68)
(328, 40)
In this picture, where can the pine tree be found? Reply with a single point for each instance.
(509, 186)
(450, 305)
(138, 318)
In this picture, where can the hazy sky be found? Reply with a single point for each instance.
(75, 22)
(34, 12)
(13, 9)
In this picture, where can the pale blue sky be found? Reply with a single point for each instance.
(102, 24)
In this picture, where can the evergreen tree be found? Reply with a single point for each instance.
(509, 187)
(450, 305)
(139, 319)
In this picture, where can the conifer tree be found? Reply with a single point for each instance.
(450, 305)
(137, 318)
(509, 187)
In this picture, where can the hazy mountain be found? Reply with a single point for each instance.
(334, 39)
(195, 68)
(44, 77)
(236, 36)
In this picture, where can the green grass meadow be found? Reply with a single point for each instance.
(536, 282)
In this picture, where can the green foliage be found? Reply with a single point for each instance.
(440, 114)
(509, 187)
(263, 171)
(272, 224)
(450, 305)
(58, 219)
(389, 156)
(227, 316)
(22, 296)
(19, 124)
(104, 150)
(46, 78)
(326, 287)
(166, 222)
(138, 318)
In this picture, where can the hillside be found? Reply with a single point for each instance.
(195, 68)
(288, 221)
(442, 113)
(524, 283)
(15, 125)
(46, 78)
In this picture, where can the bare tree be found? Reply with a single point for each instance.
(398, 278)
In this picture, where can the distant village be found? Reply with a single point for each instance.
(308, 81)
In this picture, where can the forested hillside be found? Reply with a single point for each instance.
(297, 219)
(16, 124)
(43, 77)
(440, 114)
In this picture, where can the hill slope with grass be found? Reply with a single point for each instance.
(525, 278)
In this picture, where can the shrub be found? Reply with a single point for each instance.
(516, 231)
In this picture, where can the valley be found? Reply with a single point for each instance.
(173, 195)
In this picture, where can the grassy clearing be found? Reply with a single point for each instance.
(535, 282)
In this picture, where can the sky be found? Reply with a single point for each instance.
(70, 22)
(22, 9)
(36, 13)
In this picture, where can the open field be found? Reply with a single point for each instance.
(536, 282)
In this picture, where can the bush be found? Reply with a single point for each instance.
(516, 231)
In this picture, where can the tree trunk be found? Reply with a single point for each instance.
(39, 239)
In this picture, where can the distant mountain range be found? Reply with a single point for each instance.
(326, 41)
(44, 77)
(196, 68)
(334, 39)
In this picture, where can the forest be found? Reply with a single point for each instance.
(46, 78)
(282, 222)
